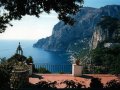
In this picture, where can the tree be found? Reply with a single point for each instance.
(17, 57)
(5, 74)
(16, 9)
(4, 21)
(29, 60)
(107, 57)
(96, 83)
(113, 84)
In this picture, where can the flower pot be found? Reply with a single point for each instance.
(77, 62)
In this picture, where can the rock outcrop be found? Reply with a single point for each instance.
(99, 35)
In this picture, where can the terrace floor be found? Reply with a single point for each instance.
(84, 80)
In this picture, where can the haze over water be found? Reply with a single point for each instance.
(8, 48)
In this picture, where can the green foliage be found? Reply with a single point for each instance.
(107, 57)
(96, 83)
(17, 63)
(29, 60)
(45, 84)
(86, 70)
(16, 9)
(99, 70)
(5, 70)
(41, 85)
(4, 21)
(72, 84)
(17, 57)
(113, 84)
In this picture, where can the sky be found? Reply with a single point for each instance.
(33, 28)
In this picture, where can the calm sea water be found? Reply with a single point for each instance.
(8, 48)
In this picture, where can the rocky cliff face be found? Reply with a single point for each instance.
(99, 35)
(78, 36)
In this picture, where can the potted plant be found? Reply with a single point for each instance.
(77, 62)
(75, 59)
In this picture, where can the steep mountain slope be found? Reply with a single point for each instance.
(78, 36)
(106, 33)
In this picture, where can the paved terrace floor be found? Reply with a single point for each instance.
(84, 80)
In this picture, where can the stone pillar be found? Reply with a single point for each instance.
(77, 70)
(30, 68)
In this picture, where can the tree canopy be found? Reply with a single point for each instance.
(16, 9)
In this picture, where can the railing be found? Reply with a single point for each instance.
(55, 68)
(98, 69)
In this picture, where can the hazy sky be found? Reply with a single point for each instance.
(32, 28)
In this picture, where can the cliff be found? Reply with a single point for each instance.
(106, 33)
(78, 36)
(99, 35)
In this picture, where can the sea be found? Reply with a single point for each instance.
(8, 48)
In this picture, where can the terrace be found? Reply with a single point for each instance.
(85, 79)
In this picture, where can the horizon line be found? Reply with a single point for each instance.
(21, 39)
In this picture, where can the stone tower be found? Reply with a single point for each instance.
(19, 50)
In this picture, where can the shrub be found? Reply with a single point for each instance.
(96, 83)
(71, 84)
(113, 84)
